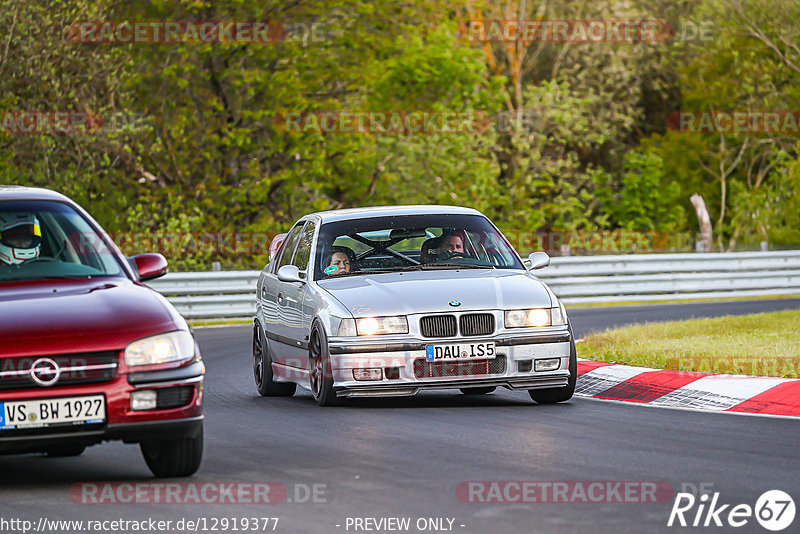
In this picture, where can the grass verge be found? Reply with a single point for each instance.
(763, 344)
(681, 301)
(219, 322)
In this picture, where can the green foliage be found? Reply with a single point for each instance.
(569, 137)
(781, 204)
(750, 64)
(545, 185)
(647, 200)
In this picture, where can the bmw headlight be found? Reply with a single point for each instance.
(164, 348)
(535, 317)
(373, 326)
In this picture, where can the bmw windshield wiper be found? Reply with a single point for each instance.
(466, 266)
(435, 266)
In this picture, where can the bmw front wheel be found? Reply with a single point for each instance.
(262, 368)
(554, 395)
(319, 368)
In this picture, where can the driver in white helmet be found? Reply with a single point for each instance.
(20, 238)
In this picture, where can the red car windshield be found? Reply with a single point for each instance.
(41, 240)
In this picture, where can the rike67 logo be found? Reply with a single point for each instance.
(774, 510)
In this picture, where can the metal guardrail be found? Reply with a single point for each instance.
(577, 280)
(664, 277)
(210, 295)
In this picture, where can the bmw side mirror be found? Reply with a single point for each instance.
(538, 260)
(290, 273)
(150, 266)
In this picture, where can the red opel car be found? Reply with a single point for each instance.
(87, 352)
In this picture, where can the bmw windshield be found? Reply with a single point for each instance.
(412, 242)
(43, 240)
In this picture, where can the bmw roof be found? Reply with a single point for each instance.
(391, 211)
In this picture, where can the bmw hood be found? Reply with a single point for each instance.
(406, 293)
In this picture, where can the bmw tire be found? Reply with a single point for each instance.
(262, 368)
(562, 394)
(319, 368)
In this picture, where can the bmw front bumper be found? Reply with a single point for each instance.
(404, 370)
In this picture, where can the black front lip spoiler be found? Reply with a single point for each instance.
(502, 341)
(127, 432)
(558, 380)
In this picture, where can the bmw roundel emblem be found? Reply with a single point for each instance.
(454, 303)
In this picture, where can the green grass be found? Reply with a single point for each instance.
(219, 322)
(681, 301)
(764, 344)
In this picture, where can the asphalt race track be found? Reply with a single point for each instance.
(405, 457)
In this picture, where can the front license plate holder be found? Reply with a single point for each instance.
(457, 352)
(53, 412)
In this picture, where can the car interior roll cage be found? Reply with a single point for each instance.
(383, 247)
(379, 247)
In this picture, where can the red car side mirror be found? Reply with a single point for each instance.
(151, 266)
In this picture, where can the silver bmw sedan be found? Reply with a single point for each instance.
(391, 301)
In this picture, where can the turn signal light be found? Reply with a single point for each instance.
(368, 374)
(548, 364)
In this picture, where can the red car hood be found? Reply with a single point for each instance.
(67, 316)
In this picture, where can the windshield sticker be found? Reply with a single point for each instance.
(332, 269)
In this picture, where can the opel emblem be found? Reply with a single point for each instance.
(454, 303)
(45, 372)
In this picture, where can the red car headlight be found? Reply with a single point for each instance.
(164, 348)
